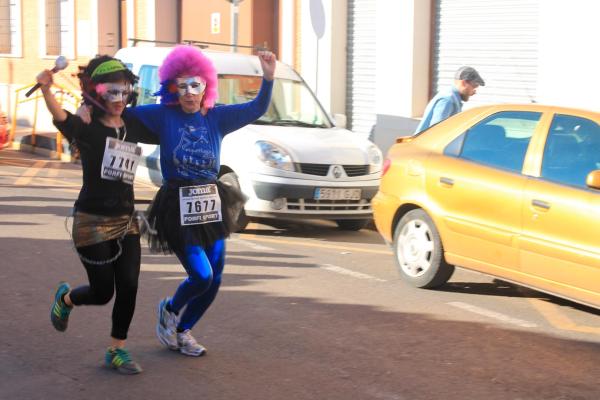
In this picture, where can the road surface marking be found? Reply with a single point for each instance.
(161, 268)
(559, 320)
(348, 272)
(318, 245)
(253, 246)
(172, 278)
(30, 172)
(492, 314)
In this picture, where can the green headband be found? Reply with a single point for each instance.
(107, 67)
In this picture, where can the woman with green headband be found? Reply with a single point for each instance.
(105, 230)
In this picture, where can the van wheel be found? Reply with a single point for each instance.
(419, 251)
(351, 224)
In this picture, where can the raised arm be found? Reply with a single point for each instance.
(235, 116)
(44, 78)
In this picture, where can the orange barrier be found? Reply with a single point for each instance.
(66, 98)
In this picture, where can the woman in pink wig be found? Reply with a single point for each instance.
(193, 212)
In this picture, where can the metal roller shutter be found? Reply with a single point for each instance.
(361, 85)
(498, 38)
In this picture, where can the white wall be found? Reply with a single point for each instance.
(403, 54)
(316, 54)
(287, 32)
(569, 56)
(323, 61)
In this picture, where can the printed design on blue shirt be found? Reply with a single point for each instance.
(194, 155)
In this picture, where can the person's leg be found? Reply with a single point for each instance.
(198, 305)
(197, 265)
(101, 277)
(98, 292)
(200, 275)
(127, 271)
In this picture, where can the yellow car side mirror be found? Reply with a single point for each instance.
(593, 180)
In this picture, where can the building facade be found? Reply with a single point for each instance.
(376, 61)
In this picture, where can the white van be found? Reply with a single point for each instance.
(291, 163)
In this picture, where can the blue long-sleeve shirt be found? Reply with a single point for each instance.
(442, 106)
(190, 144)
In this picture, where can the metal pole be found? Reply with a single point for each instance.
(235, 6)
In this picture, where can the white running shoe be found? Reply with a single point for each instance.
(166, 327)
(188, 345)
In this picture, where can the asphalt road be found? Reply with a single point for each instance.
(306, 311)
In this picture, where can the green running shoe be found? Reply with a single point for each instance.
(59, 313)
(120, 359)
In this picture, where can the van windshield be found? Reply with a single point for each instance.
(292, 103)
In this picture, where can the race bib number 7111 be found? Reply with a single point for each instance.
(199, 204)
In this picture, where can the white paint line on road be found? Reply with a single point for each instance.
(354, 274)
(162, 268)
(172, 278)
(492, 314)
(252, 245)
(29, 173)
(305, 243)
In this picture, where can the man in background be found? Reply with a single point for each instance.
(449, 102)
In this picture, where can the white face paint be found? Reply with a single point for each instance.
(192, 85)
(112, 92)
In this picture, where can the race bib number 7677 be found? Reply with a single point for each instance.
(199, 204)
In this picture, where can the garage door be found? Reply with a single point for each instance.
(361, 85)
(498, 38)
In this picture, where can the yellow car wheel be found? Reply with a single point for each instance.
(419, 251)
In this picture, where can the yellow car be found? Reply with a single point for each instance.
(508, 190)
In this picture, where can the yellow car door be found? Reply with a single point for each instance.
(477, 188)
(559, 247)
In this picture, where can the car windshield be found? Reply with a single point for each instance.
(292, 103)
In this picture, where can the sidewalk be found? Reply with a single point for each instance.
(42, 143)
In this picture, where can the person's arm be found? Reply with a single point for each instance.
(140, 132)
(443, 109)
(234, 116)
(44, 78)
(151, 116)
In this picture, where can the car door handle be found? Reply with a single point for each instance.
(446, 181)
(540, 204)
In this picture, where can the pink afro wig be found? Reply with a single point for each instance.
(190, 61)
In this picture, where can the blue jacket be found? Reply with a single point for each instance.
(442, 106)
(190, 144)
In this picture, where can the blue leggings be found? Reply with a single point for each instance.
(205, 268)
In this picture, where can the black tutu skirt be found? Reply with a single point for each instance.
(162, 226)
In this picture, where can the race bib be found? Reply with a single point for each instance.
(199, 205)
(120, 160)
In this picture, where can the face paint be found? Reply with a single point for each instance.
(193, 85)
(112, 92)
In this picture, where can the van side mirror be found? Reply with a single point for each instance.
(593, 180)
(340, 120)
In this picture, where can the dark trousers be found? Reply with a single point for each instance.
(121, 276)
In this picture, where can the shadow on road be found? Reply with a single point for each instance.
(502, 288)
(326, 231)
(264, 345)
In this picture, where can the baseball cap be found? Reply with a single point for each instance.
(469, 74)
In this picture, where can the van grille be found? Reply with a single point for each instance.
(356, 170)
(323, 169)
(328, 205)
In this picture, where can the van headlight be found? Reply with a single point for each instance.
(375, 159)
(274, 156)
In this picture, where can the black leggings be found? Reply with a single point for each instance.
(122, 274)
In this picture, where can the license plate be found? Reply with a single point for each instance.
(337, 194)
